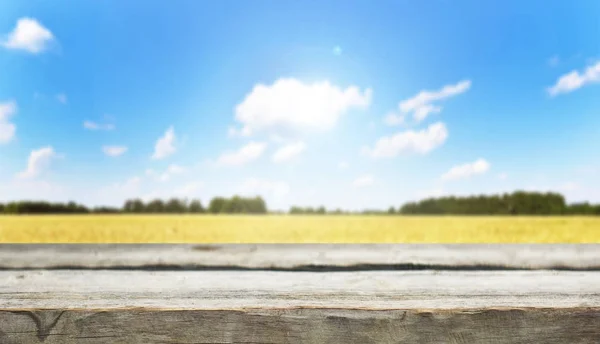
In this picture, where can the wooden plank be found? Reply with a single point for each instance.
(268, 289)
(300, 326)
(379, 299)
(61, 306)
(298, 256)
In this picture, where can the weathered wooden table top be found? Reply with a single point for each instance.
(299, 294)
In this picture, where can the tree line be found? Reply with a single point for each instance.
(516, 203)
(43, 207)
(218, 205)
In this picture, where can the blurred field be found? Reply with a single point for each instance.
(296, 229)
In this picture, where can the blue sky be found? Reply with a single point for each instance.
(349, 104)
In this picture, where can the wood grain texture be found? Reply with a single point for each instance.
(63, 289)
(299, 307)
(203, 294)
(299, 256)
(133, 326)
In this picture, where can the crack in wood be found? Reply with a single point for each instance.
(44, 321)
(307, 268)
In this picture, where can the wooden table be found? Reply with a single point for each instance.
(299, 294)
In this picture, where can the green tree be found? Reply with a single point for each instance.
(256, 205)
(517, 203)
(128, 206)
(155, 206)
(175, 206)
(295, 210)
(138, 206)
(234, 205)
(216, 205)
(196, 207)
(106, 210)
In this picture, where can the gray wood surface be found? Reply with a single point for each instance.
(268, 289)
(358, 294)
(297, 256)
(134, 326)
(86, 306)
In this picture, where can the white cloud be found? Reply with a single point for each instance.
(171, 171)
(421, 104)
(480, 166)
(289, 104)
(419, 114)
(165, 145)
(503, 176)
(422, 112)
(244, 155)
(28, 35)
(410, 141)
(573, 80)
(39, 160)
(260, 187)
(132, 182)
(7, 129)
(114, 150)
(426, 97)
(277, 138)
(233, 132)
(190, 189)
(175, 169)
(343, 165)
(62, 98)
(289, 152)
(90, 125)
(363, 181)
(392, 119)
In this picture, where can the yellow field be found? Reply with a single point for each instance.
(296, 229)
